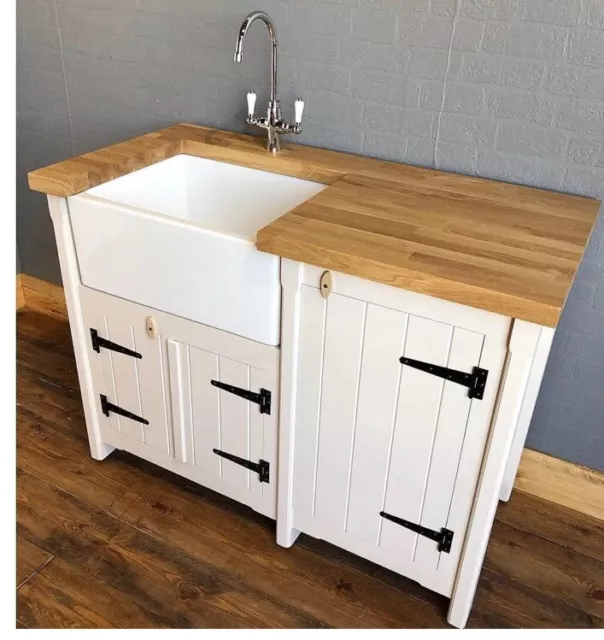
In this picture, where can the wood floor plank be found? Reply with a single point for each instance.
(555, 571)
(66, 463)
(30, 559)
(579, 532)
(502, 602)
(48, 403)
(314, 583)
(64, 597)
(58, 522)
(185, 590)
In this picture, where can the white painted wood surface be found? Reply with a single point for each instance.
(522, 345)
(531, 392)
(70, 275)
(359, 432)
(188, 417)
(370, 434)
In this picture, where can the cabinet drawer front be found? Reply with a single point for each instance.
(374, 435)
(133, 383)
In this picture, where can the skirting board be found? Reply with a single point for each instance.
(20, 295)
(564, 483)
(45, 297)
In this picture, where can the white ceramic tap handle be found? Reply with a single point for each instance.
(298, 108)
(251, 102)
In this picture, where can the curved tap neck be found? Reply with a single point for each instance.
(272, 31)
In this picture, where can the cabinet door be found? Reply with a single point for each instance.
(133, 382)
(375, 436)
(210, 421)
(170, 387)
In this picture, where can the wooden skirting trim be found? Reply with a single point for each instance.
(565, 483)
(20, 296)
(42, 296)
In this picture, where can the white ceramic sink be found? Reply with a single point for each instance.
(179, 236)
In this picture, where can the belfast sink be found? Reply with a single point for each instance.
(179, 236)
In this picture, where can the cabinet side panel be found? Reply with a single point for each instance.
(310, 376)
(235, 421)
(446, 454)
(416, 421)
(343, 349)
(206, 419)
(383, 345)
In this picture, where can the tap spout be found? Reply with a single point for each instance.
(272, 32)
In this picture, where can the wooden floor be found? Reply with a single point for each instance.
(121, 543)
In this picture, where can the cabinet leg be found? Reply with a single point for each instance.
(100, 450)
(459, 611)
(286, 536)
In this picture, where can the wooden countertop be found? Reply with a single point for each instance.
(505, 248)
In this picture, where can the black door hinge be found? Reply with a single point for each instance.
(444, 537)
(475, 381)
(107, 406)
(262, 468)
(263, 398)
(98, 343)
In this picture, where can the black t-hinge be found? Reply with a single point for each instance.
(475, 381)
(263, 398)
(444, 537)
(108, 407)
(262, 467)
(99, 343)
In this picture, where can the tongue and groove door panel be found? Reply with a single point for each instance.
(374, 435)
(137, 385)
(170, 386)
(207, 418)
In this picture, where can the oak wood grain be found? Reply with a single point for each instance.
(188, 592)
(565, 527)
(30, 559)
(558, 572)
(509, 249)
(562, 482)
(64, 597)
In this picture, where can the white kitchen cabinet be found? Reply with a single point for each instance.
(384, 450)
(377, 450)
(159, 396)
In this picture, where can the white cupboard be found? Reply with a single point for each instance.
(380, 442)
(388, 422)
(398, 412)
(195, 400)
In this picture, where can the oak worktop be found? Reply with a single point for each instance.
(509, 249)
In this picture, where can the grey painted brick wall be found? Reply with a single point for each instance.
(506, 89)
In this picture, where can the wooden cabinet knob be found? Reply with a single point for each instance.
(151, 327)
(326, 284)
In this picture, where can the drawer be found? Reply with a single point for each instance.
(200, 402)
